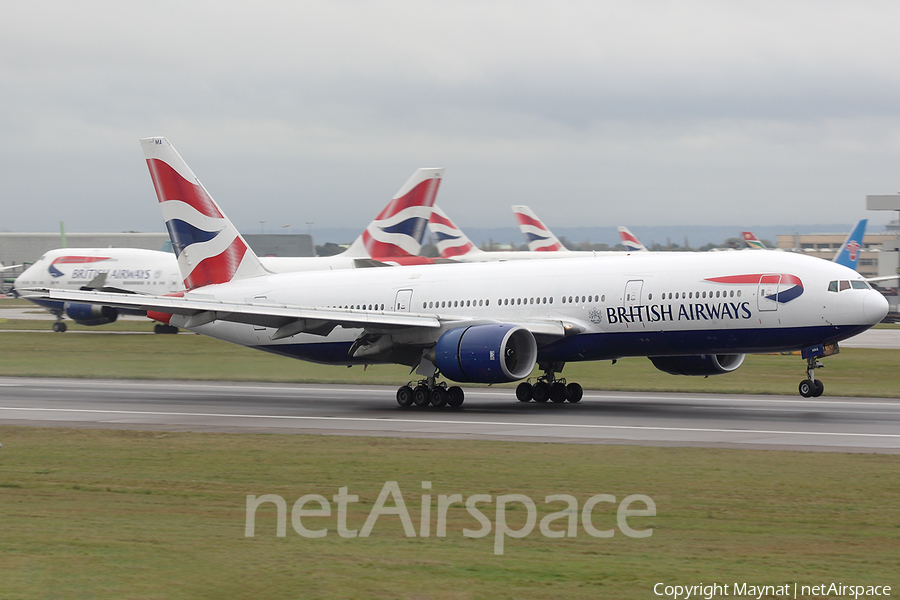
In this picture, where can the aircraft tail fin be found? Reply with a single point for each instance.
(208, 246)
(449, 239)
(752, 241)
(848, 255)
(399, 228)
(539, 236)
(630, 241)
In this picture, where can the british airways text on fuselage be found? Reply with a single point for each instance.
(655, 313)
(89, 274)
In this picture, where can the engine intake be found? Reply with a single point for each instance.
(90, 314)
(703, 364)
(494, 353)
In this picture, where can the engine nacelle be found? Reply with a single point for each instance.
(90, 314)
(704, 364)
(494, 353)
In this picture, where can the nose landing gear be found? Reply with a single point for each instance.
(812, 387)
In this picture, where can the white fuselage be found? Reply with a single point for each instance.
(140, 271)
(637, 304)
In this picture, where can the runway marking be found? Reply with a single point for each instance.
(439, 422)
(472, 393)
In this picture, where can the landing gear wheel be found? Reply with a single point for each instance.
(456, 396)
(540, 392)
(807, 388)
(820, 387)
(558, 392)
(59, 327)
(405, 396)
(421, 396)
(439, 397)
(524, 392)
(575, 393)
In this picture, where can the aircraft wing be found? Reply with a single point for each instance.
(288, 320)
(202, 310)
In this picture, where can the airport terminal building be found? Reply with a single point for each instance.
(877, 249)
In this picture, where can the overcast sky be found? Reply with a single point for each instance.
(593, 113)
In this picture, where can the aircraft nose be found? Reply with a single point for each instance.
(875, 307)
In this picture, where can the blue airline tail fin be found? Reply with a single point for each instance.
(848, 255)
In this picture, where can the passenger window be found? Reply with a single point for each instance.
(845, 285)
(859, 285)
(832, 286)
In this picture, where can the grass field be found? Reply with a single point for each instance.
(130, 514)
(854, 372)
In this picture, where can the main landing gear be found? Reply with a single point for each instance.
(812, 387)
(549, 387)
(427, 392)
(60, 325)
(161, 328)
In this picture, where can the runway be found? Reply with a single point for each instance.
(765, 422)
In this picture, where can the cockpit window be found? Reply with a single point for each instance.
(832, 286)
(859, 285)
(845, 285)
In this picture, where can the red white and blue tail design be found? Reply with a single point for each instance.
(448, 238)
(630, 241)
(209, 248)
(399, 228)
(539, 237)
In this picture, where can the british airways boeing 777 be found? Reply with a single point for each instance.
(690, 313)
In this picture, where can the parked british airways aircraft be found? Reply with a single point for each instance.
(541, 239)
(538, 235)
(690, 313)
(394, 237)
(630, 241)
(453, 244)
(129, 270)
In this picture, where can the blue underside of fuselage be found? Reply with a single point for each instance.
(606, 346)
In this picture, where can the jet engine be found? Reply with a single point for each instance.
(703, 364)
(90, 314)
(494, 353)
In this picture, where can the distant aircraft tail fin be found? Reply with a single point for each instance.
(539, 236)
(848, 255)
(208, 246)
(630, 241)
(449, 239)
(399, 228)
(752, 241)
